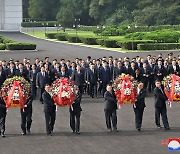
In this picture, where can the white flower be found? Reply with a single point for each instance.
(127, 91)
(65, 94)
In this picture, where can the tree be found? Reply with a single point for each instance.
(65, 16)
(25, 8)
(44, 9)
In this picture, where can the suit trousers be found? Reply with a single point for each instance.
(93, 89)
(26, 120)
(42, 90)
(2, 123)
(163, 112)
(111, 116)
(75, 120)
(50, 118)
(138, 116)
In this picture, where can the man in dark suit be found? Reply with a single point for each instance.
(174, 68)
(126, 68)
(92, 79)
(118, 70)
(78, 78)
(2, 76)
(139, 105)
(160, 106)
(144, 75)
(2, 116)
(75, 112)
(132, 70)
(55, 72)
(11, 70)
(49, 110)
(41, 80)
(159, 71)
(63, 73)
(22, 72)
(26, 116)
(104, 76)
(150, 67)
(32, 78)
(110, 108)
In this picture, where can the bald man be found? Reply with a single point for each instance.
(139, 105)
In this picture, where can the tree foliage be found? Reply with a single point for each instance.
(110, 12)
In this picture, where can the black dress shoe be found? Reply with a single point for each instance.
(3, 135)
(159, 127)
(78, 132)
(28, 131)
(167, 128)
(139, 129)
(23, 133)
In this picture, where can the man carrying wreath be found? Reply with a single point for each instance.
(110, 108)
(49, 110)
(139, 105)
(2, 116)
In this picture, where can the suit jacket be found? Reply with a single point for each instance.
(126, 70)
(160, 98)
(24, 74)
(172, 71)
(105, 74)
(41, 81)
(141, 73)
(2, 77)
(78, 78)
(2, 107)
(32, 77)
(159, 70)
(76, 106)
(117, 71)
(151, 71)
(110, 101)
(49, 104)
(28, 109)
(140, 103)
(92, 77)
(60, 75)
(9, 73)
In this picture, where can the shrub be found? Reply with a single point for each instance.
(132, 45)
(73, 38)
(88, 40)
(1, 39)
(61, 36)
(2, 46)
(110, 43)
(20, 46)
(51, 35)
(87, 28)
(159, 46)
(39, 24)
(100, 42)
(6, 40)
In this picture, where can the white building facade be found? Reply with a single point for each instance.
(10, 14)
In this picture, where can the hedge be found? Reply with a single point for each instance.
(2, 46)
(39, 24)
(159, 46)
(20, 46)
(73, 39)
(61, 36)
(129, 44)
(88, 40)
(6, 40)
(110, 43)
(51, 35)
(100, 42)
